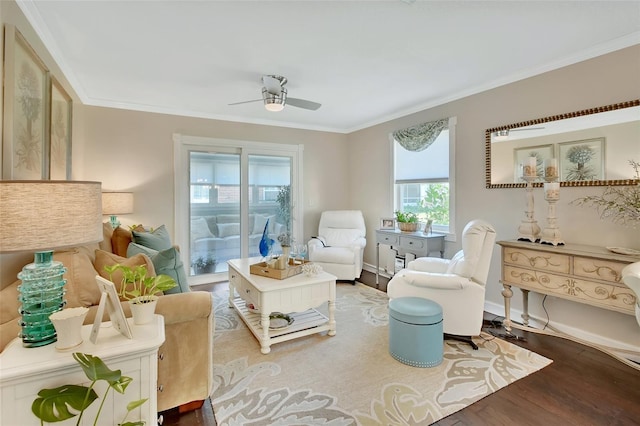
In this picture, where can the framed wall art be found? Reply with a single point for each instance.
(26, 102)
(520, 156)
(582, 160)
(60, 136)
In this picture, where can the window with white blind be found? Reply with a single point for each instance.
(424, 177)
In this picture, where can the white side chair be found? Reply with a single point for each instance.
(339, 246)
(631, 277)
(458, 285)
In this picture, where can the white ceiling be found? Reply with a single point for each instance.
(365, 61)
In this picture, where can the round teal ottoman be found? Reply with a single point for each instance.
(415, 331)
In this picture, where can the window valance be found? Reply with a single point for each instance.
(420, 137)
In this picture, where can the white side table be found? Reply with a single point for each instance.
(25, 371)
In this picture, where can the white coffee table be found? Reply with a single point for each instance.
(296, 296)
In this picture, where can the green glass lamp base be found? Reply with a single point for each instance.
(40, 294)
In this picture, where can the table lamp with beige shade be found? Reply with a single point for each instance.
(41, 216)
(115, 203)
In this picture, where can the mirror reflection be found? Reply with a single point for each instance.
(591, 147)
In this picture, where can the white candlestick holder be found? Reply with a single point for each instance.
(551, 233)
(529, 229)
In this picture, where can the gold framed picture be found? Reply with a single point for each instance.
(26, 101)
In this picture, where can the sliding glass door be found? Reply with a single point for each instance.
(235, 194)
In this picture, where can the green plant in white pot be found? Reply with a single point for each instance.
(141, 289)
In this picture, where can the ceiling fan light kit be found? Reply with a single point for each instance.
(273, 102)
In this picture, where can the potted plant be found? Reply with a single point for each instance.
(407, 221)
(204, 265)
(140, 289)
(52, 405)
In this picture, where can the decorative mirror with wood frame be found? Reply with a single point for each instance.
(593, 147)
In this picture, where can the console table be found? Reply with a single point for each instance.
(417, 243)
(580, 273)
(25, 371)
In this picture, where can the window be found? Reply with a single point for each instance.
(227, 194)
(423, 180)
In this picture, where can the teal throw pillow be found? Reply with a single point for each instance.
(165, 262)
(158, 239)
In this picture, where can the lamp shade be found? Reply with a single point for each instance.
(117, 203)
(43, 215)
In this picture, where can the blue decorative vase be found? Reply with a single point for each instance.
(266, 243)
(41, 294)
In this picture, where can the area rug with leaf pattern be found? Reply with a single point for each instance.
(350, 378)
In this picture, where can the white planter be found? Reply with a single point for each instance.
(68, 324)
(143, 308)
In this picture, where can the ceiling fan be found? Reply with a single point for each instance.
(274, 95)
(503, 135)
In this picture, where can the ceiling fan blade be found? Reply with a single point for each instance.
(528, 128)
(246, 102)
(272, 84)
(302, 103)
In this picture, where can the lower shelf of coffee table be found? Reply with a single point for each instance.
(304, 323)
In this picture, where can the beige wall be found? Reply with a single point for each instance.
(130, 150)
(133, 150)
(604, 80)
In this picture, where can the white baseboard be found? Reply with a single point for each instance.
(618, 348)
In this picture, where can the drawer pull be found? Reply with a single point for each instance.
(161, 356)
(160, 388)
(247, 291)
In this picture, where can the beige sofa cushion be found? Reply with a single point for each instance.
(9, 325)
(81, 289)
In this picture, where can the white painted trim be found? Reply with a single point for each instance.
(185, 143)
(621, 349)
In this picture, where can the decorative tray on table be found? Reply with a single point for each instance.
(280, 274)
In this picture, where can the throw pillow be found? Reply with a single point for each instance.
(158, 239)
(104, 258)
(228, 229)
(200, 229)
(121, 239)
(81, 287)
(107, 234)
(165, 262)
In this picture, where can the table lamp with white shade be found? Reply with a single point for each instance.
(115, 203)
(40, 216)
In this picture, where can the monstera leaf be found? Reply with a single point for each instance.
(68, 401)
(53, 404)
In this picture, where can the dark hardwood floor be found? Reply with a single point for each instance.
(583, 386)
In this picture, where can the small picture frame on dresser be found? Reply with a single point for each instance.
(387, 223)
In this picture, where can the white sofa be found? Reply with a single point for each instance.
(218, 236)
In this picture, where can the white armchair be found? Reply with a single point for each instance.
(458, 285)
(339, 246)
(631, 277)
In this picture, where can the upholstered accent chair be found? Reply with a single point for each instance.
(458, 284)
(339, 246)
(631, 277)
